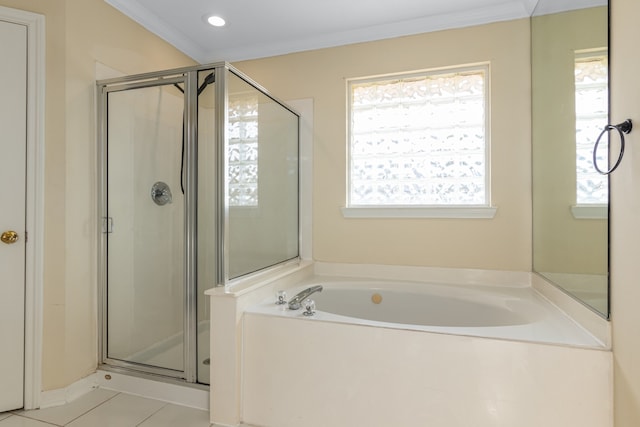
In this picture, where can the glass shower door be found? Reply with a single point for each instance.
(145, 307)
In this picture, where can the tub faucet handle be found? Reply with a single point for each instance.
(309, 307)
(281, 297)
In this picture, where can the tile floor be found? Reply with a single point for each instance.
(105, 408)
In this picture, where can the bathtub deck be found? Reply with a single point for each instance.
(551, 325)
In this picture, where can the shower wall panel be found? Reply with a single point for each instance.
(263, 157)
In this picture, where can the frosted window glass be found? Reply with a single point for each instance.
(243, 150)
(419, 139)
(592, 97)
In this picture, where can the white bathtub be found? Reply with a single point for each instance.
(392, 353)
(514, 313)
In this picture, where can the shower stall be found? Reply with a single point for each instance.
(198, 187)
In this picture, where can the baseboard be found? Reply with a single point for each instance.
(193, 397)
(70, 393)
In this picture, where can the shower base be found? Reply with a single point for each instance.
(167, 353)
(191, 395)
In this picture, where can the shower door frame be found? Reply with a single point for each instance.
(189, 78)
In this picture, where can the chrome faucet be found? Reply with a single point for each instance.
(296, 301)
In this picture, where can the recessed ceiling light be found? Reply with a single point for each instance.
(216, 21)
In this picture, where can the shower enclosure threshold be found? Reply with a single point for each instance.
(154, 387)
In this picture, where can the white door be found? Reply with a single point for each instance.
(13, 124)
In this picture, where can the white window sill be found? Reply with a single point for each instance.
(483, 212)
(590, 211)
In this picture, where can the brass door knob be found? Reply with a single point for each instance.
(9, 237)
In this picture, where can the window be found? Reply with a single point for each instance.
(419, 140)
(243, 150)
(591, 99)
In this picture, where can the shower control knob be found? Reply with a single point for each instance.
(9, 237)
(161, 193)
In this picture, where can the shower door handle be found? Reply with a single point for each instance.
(107, 225)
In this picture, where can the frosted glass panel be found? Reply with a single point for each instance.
(145, 246)
(592, 112)
(262, 178)
(418, 140)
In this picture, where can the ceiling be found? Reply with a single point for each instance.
(262, 28)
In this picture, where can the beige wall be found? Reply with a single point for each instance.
(79, 33)
(625, 215)
(501, 243)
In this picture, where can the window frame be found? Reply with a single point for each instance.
(485, 210)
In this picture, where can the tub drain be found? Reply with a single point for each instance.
(376, 298)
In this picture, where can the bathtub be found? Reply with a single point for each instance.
(514, 313)
(394, 353)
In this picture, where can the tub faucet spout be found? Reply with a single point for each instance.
(296, 301)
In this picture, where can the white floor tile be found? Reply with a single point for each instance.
(18, 421)
(62, 415)
(121, 411)
(106, 408)
(174, 415)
